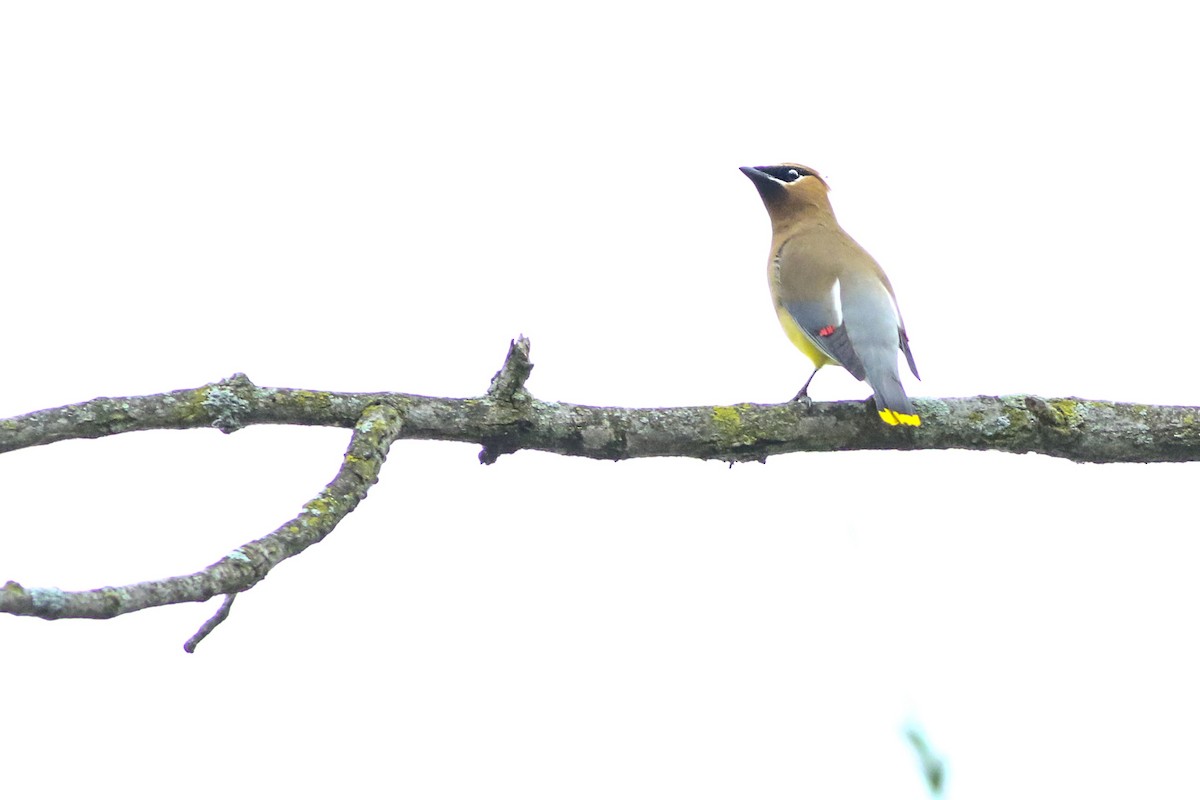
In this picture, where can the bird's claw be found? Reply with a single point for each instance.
(803, 399)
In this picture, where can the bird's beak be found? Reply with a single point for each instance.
(766, 185)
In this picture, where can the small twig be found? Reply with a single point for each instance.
(213, 621)
(509, 397)
(512, 376)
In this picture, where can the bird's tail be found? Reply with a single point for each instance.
(883, 376)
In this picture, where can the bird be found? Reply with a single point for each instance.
(832, 298)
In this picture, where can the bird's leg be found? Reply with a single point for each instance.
(802, 395)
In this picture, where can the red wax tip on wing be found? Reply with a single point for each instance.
(826, 331)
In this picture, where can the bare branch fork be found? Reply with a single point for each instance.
(507, 419)
(245, 566)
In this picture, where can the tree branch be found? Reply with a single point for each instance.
(245, 566)
(210, 625)
(507, 418)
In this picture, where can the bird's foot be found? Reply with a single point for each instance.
(803, 399)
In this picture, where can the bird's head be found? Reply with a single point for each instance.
(789, 189)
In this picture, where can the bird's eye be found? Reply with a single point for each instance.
(792, 174)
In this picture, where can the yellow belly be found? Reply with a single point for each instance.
(801, 340)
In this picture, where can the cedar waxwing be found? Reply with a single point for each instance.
(833, 300)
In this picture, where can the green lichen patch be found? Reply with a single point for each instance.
(731, 428)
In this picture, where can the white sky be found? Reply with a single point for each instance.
(374, 196)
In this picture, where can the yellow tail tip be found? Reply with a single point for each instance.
(896, 418)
